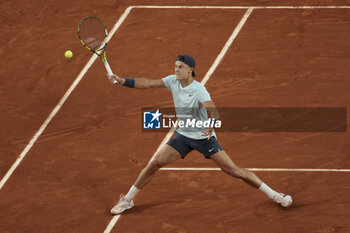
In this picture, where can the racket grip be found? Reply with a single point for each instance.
(109, 71)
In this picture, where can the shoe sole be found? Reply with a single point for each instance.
(115, 212)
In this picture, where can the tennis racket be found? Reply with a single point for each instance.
(93, 34)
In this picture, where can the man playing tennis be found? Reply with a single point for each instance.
(190, 94)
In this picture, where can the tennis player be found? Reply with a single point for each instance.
(192, 95)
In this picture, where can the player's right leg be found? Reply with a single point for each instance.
(165, 156)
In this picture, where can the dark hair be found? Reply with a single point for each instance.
(188, 60)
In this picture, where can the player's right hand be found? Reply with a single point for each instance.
(114, 79)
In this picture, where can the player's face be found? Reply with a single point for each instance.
(182, 71)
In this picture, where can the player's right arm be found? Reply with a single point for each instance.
(140, 83)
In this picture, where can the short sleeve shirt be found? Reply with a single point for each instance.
(188, 101)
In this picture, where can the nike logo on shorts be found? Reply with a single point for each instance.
(211, 149)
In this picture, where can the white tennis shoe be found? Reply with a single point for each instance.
(123, 204)
(283, 200)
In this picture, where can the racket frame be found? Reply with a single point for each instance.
(100, 50)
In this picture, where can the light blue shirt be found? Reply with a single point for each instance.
(188, 101)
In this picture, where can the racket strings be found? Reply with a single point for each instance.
(93, 33)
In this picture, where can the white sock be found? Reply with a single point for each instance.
(132, 192)
(267, 190)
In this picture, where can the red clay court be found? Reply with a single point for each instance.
(71, 142)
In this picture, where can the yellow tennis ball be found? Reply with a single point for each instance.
(68, 54)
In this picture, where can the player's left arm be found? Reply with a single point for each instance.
(213, 113)
(211, 109)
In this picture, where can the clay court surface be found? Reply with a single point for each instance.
(93, 148)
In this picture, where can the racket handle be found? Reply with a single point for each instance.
(109, 71)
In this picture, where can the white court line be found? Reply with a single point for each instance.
(258, 169)
(242, 7)
(59, 105)
(112, 223)
(226, 46)
(205, 79)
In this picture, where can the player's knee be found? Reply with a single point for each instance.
(154, 165)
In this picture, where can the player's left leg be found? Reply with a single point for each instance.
(228, 166)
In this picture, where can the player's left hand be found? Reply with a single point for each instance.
(208, 133)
